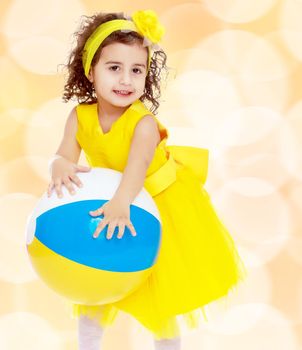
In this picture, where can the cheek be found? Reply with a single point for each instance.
(103, 80)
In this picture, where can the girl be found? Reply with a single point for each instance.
(114, 69)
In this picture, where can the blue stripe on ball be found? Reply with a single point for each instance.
(68, 230)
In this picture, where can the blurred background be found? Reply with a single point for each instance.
(235, 89)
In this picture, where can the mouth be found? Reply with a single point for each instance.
(122, 92)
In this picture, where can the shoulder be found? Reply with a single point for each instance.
(72, 122)
(78, 115)
(147, 128)
(73, 113)
(147, 124)
(147, 120)
(84, 108)
(150, 123)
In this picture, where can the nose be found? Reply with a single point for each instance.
(125, 77)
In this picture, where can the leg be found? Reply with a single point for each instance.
(89, 333)
(168, 344)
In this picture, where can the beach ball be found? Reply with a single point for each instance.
(84, 269)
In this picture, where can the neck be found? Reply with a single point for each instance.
(107, 110)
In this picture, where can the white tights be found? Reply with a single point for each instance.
(90, 336)
(89, 333)
(167, 344)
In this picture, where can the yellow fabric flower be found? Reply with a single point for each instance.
(148, 25)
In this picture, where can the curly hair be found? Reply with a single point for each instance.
(79, 87)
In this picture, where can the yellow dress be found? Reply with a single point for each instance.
(198, 261)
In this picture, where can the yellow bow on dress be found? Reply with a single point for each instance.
(194, 158)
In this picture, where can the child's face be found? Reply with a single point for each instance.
(120, 67)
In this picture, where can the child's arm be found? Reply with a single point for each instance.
(64, 169)
(144, 141)
(145, 138)
(69, 147)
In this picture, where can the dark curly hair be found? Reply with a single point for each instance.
(77, 84)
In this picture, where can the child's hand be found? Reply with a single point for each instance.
(64, 172)
(115, 213)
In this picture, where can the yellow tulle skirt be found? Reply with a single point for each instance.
(198, 264)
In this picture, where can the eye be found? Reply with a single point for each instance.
(134, 69)
(113, 67)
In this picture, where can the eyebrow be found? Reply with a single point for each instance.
(135, 64)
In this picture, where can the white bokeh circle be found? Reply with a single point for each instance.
(239, 11)
(198, 92)
(39, 54)
(255, 66)
(290, 145)
(260, 220)
(14, 92)
(247, 125)
(269, 329)
(291, 26)
(45, 130)
(11, 120)
(28, 331)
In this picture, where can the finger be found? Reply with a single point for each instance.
(58, 188)
(68, 185)
(100, 228)
(50, 187)
(132, 229)
(111, 228)
(121, 230)
(96, 212)
(76, 180)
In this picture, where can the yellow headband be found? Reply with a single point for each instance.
(144, 22)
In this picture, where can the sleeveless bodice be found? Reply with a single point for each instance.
(111, 149)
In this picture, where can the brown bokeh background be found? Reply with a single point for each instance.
(236, 90)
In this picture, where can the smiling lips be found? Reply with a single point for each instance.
(122, 92)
